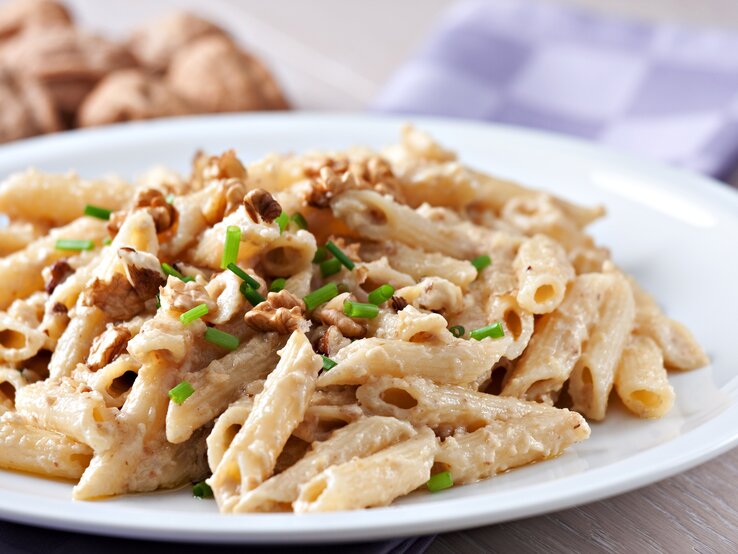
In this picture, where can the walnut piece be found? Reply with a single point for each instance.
(143, 271)
(108, 346)
(55, 274)
(331, 341)
(213, 75)
(117, 298)
(162, 212)
(331, 313)
(127, 95)
(260, 204)
(182, 296)
(282, 313)
(398, 303)
(155, 43)
(210, 168)
(327, 186)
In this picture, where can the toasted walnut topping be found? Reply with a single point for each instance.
(331, 341)
(210, 168)
(162, 212)
(108, 346)
(143, 271)
(398, 303)
(55, 274)
(116, 221)
(282, 312)
(259, 203)
(348, 327)
(182, 296)
(117, 298)
(59, 308)
(327, 186)
(312, 168)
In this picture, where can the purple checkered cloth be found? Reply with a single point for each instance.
(661, 90)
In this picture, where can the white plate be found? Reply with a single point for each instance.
(676, 232)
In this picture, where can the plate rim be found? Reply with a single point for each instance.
(655, 463)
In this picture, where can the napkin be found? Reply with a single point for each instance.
(659, 89)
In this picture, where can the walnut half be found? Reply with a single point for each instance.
(108, 346)
(282, 312)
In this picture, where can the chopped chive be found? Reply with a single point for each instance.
(328, 363)
(181, 392)
(230, 248)
(299, 220)
(195, 313)
(277, 285)
(188, 278)
(170, 198)
(440, 481)
(251, 295)
(321, 255)
(97, 211)
(358, 309)
(321, 296)
(202, 490)
(480, 262)
(381, 294)
(221, 338)
(107, 241)
(495, 331)
(169, 270)
(458, 331)
(74, 244)
(158, 301)
(282, 220)
(338, 253)
(330, 267)
(253, 283)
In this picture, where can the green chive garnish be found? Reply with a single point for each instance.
(480, 262)
(230, 248)
(277, 285)
(202, 490)
(195, 313)
(221, 338)
(495, 331)
(457, 330)
(74, 244)
(107, 241)
(299, 220)
(282, 220)
(321, 255)
(338, 253)
(321, 296)
(188, 279)
(158, 301)
(170, 198)
(330, 267)
(440, 481)
(97, 211)
(328, 363)
(381, 294)
(251, 295)
(181, 392)
(169, 270)
(245, 277)
(358, 309)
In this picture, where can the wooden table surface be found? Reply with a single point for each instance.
(313, 49)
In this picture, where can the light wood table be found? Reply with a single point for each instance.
(332, 54)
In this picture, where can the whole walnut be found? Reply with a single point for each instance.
(16, 16)
(215, 76)
(26, 108)
(154, 43)
(67, 61)
(130, 94)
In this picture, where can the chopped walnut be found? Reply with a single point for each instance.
(182, 296)
(55, 274)
(331, 313)
(282, 312)
(259, 203)
(312, 168)
(143, 271)
(327, 186)
(226, 196)
(210, 168)
(162, 212)
(398, 303)
(331, 341)
(117, 298)
(108, 346)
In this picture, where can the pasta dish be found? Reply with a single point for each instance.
(314, 332)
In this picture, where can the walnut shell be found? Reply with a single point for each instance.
(130, 94)
(215, 76)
